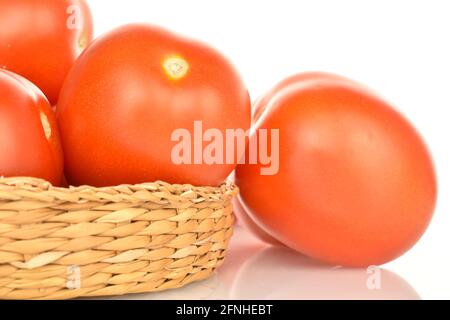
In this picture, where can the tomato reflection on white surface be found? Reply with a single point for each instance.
(280, 273)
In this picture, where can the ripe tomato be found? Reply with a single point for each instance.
(356, 184)
(128, 93)
(29, 138)
(259, 107)
(261, 104)
(243, 219)
(40, 39)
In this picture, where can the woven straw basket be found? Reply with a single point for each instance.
(58, 243)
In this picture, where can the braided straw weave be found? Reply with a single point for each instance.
(58, 243)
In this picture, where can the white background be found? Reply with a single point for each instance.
(399, 48)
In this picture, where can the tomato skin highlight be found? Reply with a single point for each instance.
(127, 94)
(40, 39)
(29, 137)
(356, 185)
(261, 104)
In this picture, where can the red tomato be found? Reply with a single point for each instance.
(128, 93)
(40, 39)
(356, 184)
(243, 219)
(259, 107)
(29, 138)
(261, 104)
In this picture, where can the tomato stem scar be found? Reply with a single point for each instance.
(175, 67)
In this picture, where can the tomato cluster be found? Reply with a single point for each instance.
(40, 41)
(354, 185)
